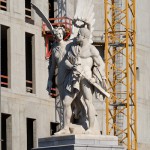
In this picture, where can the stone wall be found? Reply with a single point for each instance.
(15, 100)
(143, 86)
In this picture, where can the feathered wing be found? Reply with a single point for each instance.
(84, 16)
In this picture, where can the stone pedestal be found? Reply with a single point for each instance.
(79, 142)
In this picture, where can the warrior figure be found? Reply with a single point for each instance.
(86, 66)
(78, 67)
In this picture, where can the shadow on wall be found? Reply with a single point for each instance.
(62, 8)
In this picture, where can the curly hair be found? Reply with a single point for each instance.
(59, 28)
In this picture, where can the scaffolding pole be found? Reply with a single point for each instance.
(120, 43)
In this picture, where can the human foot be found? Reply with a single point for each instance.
(63, 131)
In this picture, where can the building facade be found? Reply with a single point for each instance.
(27, 111)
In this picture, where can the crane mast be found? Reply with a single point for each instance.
(120, 59)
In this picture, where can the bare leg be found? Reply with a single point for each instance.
(87, 95)
(67, 100)
(67, 110)
(67, 114)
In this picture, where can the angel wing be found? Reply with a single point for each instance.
(84, 17)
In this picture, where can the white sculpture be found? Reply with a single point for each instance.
(86, 68)
(55, 62)
(80, 70)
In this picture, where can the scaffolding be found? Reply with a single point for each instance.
(120, 58)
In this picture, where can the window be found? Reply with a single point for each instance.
(30, 64)
(28, 12)
(101, 49)
(3, 5)
(5, 44)
(51, 8)
(6, 131)
(54, 127)
(31, 133)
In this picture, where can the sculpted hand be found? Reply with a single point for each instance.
(78, 70)
(77, 67)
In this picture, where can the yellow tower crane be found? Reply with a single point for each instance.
(120, 59)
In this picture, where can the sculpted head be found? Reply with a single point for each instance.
(85, 32)
(83, 35)
(59, 33)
